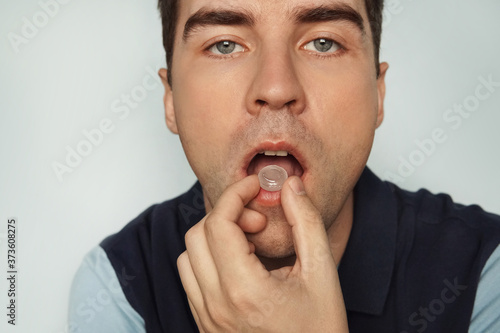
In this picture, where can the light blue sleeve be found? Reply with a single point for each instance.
(486, 314)
(97, 302)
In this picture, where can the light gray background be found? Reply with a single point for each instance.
(65, 80)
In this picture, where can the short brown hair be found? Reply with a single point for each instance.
(169, 12)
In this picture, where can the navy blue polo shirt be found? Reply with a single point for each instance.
(413, 263)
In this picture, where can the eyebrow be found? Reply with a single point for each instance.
(330, 13)
(204, 17)
(209, 17)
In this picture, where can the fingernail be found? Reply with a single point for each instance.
(297, 186)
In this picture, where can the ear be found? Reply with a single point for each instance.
(168, 102)
(381, 92)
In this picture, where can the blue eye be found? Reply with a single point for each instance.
(226, 47)
(322, 45)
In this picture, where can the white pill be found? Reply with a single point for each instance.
(272, 178)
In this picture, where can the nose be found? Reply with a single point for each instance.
(276, 84)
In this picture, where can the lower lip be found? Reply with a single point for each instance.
(267, 198)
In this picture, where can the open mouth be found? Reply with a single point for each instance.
(280, 158)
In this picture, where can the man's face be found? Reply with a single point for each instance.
(294, 76)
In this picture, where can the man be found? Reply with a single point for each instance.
(298, 84)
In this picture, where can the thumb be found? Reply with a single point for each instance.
(311, 243)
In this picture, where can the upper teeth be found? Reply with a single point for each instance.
(275, 152)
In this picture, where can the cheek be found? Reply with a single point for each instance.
(350, 111)
(207, 113)
(207, 101)
(346, 127)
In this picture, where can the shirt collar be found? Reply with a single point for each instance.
(366, 267)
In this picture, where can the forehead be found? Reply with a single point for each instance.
(264, 11)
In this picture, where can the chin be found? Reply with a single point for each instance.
(275, 241)
(274, 254)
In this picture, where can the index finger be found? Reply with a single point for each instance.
(312, 246)
(227, 242)
(236, 196)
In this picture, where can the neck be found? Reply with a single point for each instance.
(276, 263)
(340, 230)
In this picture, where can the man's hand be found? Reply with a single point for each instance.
(229, 289)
